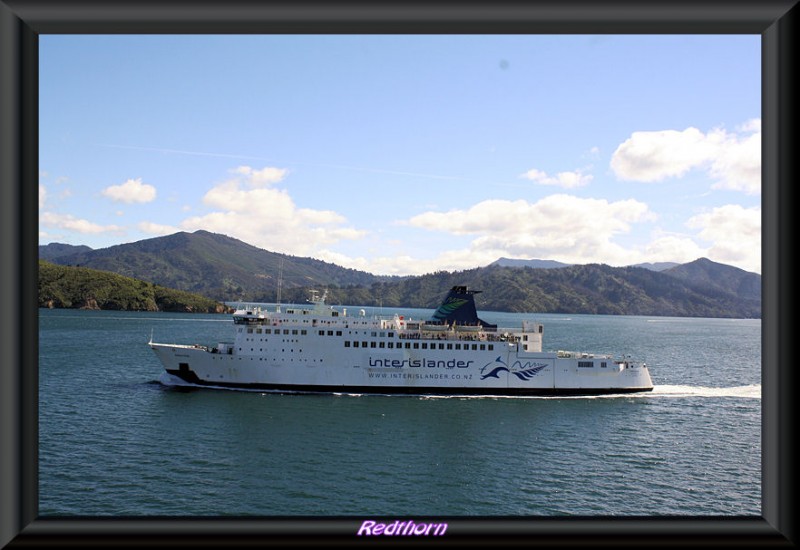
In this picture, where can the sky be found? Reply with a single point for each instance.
(408, 154)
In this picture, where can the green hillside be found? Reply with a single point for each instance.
(226, 269)
(588, 289)
(84, 288)
(216, 266)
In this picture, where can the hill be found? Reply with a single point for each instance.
(539, 264)
(84, 288)
(590, 289)
(226, 269)
(657, 266)
(56, 250)
(552, 264)
(713, 276)
(216, 266)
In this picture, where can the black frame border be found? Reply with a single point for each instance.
(22, 21)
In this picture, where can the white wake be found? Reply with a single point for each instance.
(753, 391)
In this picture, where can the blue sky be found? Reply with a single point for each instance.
(408, 154)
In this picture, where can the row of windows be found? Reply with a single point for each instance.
(417, 345)
(590, 364)
(374, 334)
(304, 332)
(287, 331)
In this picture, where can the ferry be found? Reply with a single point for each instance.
(319, 348)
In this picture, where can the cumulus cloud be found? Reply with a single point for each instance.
(732, 159)
(157, 228)
(673, 248)
(566, 180)
(260, 178)
(573, 231)
(42, 196)
(247, 208)
(569, 229)
(405, 264)
(71, 223)
(734, 233)
(132, 191)
(566, 227)
(738, 164)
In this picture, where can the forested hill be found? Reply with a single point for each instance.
(214, 265)
(84, 288)
(701, 289)
(52, 251)
(228, 270)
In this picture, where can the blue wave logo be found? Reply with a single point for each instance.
(523, 372)
(494, 373)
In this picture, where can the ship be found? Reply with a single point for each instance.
(319, 348)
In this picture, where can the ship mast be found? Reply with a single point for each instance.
(280, 284)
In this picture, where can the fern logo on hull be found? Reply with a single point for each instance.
(523, 371)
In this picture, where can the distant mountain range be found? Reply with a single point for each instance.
(686, 290)
(535, 264)
(226, 269)
(552, 264)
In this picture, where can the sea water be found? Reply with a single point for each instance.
(114, 442)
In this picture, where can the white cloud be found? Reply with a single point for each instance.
(734, 233)
(260, 178)
(654, 156)
(571, 230)
(568, 229)
(71, 223)
(564, 227)
(157, 228)
(131, 191)
(42, 196)
(738, 164)
(673, 248)
(267, 217)
(567, 180)
(404, 264)
(733, 159)
(230, 196)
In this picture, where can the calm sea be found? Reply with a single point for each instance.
(114, 442)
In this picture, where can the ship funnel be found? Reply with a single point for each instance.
(459, 308)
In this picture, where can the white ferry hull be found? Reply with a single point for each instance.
(499, 372)
(455, 353)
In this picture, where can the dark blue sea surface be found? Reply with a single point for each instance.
(114, 442)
